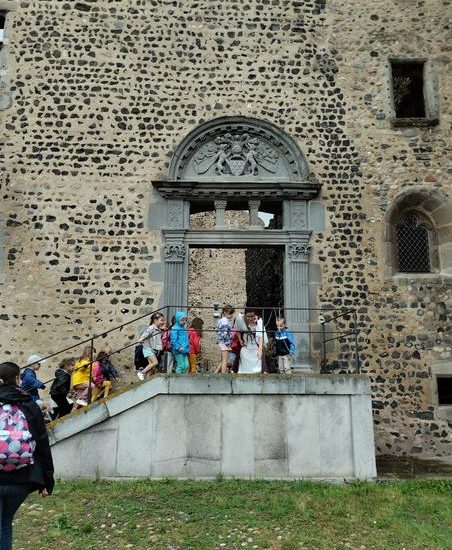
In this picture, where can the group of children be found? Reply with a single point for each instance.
(74, 379)
(243, 340)
(163, 346)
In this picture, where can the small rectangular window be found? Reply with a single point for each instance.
(2, 26)
(408, 89)
(444, 390)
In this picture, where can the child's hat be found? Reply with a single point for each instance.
(33, 359)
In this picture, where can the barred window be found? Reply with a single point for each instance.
(413, 245)
(408, 89)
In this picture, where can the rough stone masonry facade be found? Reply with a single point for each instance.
(97, 94)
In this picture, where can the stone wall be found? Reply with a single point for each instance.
(102, 92)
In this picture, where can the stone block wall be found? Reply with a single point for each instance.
(99, 93)
(250, 427)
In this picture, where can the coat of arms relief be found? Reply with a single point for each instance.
(236, 155)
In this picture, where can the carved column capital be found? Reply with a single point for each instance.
(220, 204)
(299, 251)
(175, 252)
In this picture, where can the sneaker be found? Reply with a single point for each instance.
(82, 402)
(140, 375)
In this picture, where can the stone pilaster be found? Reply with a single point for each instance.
(220, 209)
(297, 299)
(253, 207)
(176, 274)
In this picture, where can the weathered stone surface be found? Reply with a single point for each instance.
(101, 100)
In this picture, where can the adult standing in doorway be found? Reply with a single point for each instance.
(253, 339)
(25, 459)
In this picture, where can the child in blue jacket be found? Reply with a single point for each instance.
(30, 383)
(180, 343)
(284, 347)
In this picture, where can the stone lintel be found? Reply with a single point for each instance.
(236, 190)
(230, 238)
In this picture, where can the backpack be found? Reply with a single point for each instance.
(140, 360)
(16, 442)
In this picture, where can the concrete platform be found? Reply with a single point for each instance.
(248, 426)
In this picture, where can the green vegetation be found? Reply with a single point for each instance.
(175, 515)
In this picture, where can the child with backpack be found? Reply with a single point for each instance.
(284, 347)
(224, 329)
(152, 345)
(168, 358)
(194, 340)
(98, 377)
(61, 386)
(30, 383)
(180, 343)
(25, 459)
(109, 371)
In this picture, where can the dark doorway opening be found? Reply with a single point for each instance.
(265, 282)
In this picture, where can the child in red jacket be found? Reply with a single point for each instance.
(194, 339)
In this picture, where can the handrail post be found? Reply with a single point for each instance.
(358, 362)
(323, 344)
(263, 342)
(91, 358)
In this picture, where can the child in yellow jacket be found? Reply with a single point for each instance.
(81, 376)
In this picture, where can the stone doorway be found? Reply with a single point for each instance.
(240, 164)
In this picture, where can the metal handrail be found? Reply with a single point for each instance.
(92, 338)
(167, 309)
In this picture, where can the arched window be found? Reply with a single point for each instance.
(417, 237)
(413, 244)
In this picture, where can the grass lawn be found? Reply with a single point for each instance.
(175, 515)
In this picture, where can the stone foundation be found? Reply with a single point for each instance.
(298, 427)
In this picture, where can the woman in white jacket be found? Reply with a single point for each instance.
(253, 339)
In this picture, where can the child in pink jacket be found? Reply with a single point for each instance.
(98, 378)
(194, 340)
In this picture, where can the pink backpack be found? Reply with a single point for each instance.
(16, 442)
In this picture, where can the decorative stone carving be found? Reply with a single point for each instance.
(238, 154)
(175, 214)
(299, 251)
(298, 215)
(239, 149)
(175, 252)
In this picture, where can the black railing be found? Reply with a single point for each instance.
(326, 316)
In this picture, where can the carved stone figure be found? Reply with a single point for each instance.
(237, 155)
